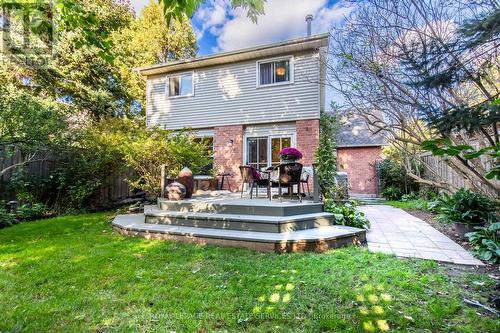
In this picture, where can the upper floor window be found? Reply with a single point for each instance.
(275, 72)
(180, 85)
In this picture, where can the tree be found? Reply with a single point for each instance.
(326, 158)
(392, 63)
(147, 150)
(30, 126)
(149, 40)
(75, 16)
(176, 9)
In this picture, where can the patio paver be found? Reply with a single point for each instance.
(394, 231)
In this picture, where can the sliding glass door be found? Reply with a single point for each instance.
(262, 152)
(257, 152)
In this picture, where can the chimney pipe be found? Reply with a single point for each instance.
(309, 18)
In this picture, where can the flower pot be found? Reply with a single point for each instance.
(283, 161)
(462, 228)
(186, 178)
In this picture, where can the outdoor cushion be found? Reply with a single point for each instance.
(256, 175)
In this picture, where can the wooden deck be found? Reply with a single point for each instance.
(227, 220)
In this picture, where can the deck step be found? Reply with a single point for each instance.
(317, 239)
(243, 222)
(241, 206)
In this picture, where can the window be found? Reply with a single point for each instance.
(180, 85)
(262, 152)
(276, 145)
(274, 72)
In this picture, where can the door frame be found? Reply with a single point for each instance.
(269, 136)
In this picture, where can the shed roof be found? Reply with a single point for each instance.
(355, 133)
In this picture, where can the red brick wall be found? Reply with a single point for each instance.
(359, 163)
(228, 152)
(307, 142)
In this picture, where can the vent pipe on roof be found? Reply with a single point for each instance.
(309, 19)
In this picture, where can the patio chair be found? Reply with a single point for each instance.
(304, 180)
(250, 176)
(289, 174)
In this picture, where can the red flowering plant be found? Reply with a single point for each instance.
(290, 154)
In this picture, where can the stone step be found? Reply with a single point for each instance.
(318, 239)
(241, 206)
(244, 222)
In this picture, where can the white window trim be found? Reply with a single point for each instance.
(291, 61)
(167, 80)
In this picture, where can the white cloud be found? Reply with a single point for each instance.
(213, 16)
(283, 19)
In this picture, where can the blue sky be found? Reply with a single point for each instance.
(219, 28)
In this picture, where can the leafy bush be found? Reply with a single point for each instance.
(393, 175)
(409, 197)
(486, 243)
(466, 207)
(392, 193)
(32, 212)
(347, 214)
(6, 219)
(149, 149)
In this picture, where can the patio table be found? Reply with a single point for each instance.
(225, 175)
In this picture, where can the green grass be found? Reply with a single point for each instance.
(410, 204)
(74, 273)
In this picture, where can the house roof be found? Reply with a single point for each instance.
(289, 46)
(354, 132)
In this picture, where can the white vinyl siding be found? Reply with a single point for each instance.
(227, 95)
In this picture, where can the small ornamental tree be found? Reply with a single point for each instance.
(326, 158)
(148, 149)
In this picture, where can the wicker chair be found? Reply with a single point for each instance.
(289, 174)
(304, 179)
(247, 177)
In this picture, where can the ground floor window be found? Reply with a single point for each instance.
(262, 152)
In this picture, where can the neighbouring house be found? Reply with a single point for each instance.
(358, 152)
(249, 103)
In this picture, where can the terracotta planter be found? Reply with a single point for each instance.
(186, 178)
(462, 228)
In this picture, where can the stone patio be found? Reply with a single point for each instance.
(394, 231)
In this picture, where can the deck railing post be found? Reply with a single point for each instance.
(316, 184)
(162, 181)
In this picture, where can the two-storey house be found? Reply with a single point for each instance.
(250, 103)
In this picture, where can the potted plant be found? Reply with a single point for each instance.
(289, 154)
(466, 210)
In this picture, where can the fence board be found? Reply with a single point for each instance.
(435, 164)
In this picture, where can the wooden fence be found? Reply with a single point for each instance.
(116, 190)
(436, 168)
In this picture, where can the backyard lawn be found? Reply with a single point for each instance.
(75, 274)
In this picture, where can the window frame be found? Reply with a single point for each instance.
(291, 66)
(179, 75)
